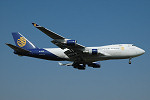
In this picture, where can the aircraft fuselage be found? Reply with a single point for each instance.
(118, 51)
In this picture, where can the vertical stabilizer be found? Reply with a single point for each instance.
(21, 41)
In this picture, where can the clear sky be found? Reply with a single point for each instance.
(91, 23)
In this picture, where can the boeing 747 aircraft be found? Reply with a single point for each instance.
(70, 50)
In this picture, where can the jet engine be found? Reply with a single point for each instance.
(79, 66)
(94, 65)
(70, 42)
(92, 51)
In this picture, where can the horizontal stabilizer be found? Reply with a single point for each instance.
(18, 49)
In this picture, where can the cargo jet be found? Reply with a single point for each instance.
(70, 50)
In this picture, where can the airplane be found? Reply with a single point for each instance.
(70, 50)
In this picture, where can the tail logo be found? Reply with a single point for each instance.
(21, 42)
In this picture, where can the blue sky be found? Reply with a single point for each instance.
(91, 23)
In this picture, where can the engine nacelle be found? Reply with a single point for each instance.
(71, 42)
(79, 66)
(94, 65)
(94, 51)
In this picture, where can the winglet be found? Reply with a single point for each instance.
(35, 25)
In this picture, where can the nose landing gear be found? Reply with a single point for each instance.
(130, 60)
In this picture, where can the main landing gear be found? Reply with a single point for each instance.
(130, 60)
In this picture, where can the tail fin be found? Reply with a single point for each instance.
(22, 42)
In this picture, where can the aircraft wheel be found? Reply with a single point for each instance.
(130, 61)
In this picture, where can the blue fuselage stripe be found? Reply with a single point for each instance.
(42, 54)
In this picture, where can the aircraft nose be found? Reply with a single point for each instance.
(140, 51)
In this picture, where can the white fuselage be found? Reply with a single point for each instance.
(118, 51)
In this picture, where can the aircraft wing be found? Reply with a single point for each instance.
(58, 40)
(74, 49)
(48, 32)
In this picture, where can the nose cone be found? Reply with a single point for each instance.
(140, 51)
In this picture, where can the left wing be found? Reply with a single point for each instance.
(48, 32)
(60, 41)
(74, 51)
